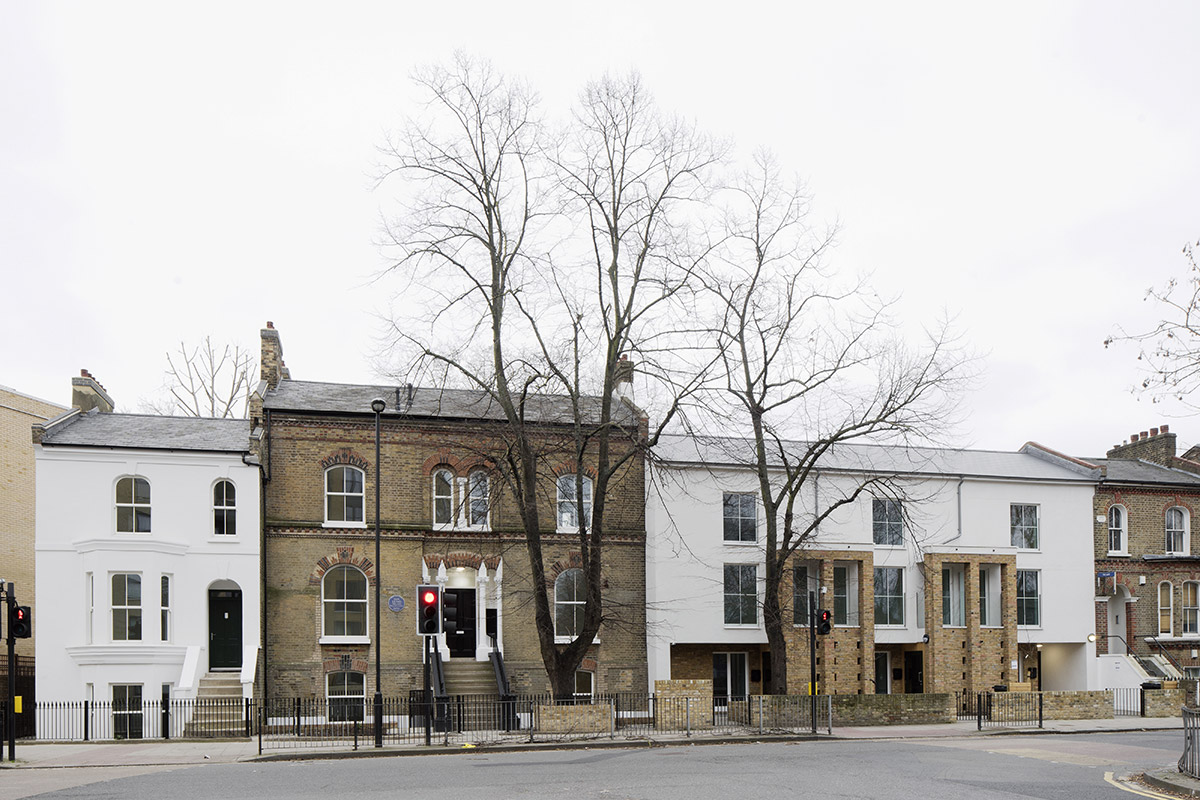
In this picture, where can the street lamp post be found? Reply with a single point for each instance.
(377, 405)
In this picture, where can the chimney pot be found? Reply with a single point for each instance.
(1154, 431)
(1133, 437)
(1164, 428)
(1145, 435)
(270, 324)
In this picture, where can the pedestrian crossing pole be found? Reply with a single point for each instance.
(812, 656)
(10, 715)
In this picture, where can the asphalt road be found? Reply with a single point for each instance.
(1062, 767)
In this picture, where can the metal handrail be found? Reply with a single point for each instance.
(1179, 667)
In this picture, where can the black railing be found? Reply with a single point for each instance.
(89, 720)
(1189, 762)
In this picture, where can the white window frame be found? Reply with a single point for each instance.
(443, 498)
(845, 588)
(165, 589)
(800, 613)
(731, 656)
(887, 522)
(890, 598)
(1166, 611)
(745, 504)
(1179, 534)
(570, 601)
(329, 608)
(134, 506)
(1034, 599)
(566, 506)
(1191, 608)
(477, 507)
(590, 687)
(1117, 526)
(1022, 525)
(345, 699)
(343, 494)
(954, 599)
(224, 508)
(990, 615)
(90, 587)
(123, 709)
(740, 596)
(126, 608)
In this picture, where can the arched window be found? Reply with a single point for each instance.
(478, 498)
(346, 693)
(343, 494)
(1116, 529)
(133, 505)
(1164, 608)
(224, 509)
(344, 602)
(1191, 608)
(1177, 533)
(570, 595)
(443, 498)
(568, 508)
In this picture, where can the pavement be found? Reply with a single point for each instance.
(159, 754)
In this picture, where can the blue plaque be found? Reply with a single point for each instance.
(395, 603)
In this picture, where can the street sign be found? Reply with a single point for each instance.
(395, 603)
(1105, 574)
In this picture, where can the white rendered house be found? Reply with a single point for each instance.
(972, 568)
(147, 552)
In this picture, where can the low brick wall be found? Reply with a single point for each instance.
(582, 718)
(1077, 705)
(1163, 702)
(892, 709)
(683, 704)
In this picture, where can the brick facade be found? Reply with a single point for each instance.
(298, 447)
(1144, 479)
(18, 414)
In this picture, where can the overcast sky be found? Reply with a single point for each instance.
(171, 170)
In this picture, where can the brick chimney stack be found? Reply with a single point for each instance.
(623, 378)
(87, 393)
(1156, 445)
(271, 366)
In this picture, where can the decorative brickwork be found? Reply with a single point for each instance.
(583, 718)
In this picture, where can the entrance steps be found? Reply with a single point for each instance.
(469, 677)
(220, 710)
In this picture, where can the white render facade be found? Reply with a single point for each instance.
(147, 545)
(939, 599)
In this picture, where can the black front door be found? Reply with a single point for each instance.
(461, 643)
(914, 672)
(224, 628)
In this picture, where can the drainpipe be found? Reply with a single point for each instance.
(958, 491)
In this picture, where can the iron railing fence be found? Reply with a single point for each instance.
(90, 720)
(1009, 710)
(1189, 762)
(298, 723)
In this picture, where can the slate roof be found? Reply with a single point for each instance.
(349, 398)
(1129, 470)
(888, 459)
(144, 431)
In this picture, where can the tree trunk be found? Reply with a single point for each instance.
(773, 621)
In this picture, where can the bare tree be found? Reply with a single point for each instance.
(810, 366)
(1171, 350)
(204, 381)
(544, 259)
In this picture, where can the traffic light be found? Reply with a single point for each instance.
(20, 622)
(429, 610)
(450, 611)
(824, 620)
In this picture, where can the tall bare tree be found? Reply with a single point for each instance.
(205, 380)
(543, 259)
(811, 363)
(1170, 351)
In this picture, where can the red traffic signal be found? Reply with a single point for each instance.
(824, 620)
(429, 610)
(20, 622)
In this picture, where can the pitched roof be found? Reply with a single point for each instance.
(1129, 470)
(888, 459)
(350, 398)
(148, 432)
